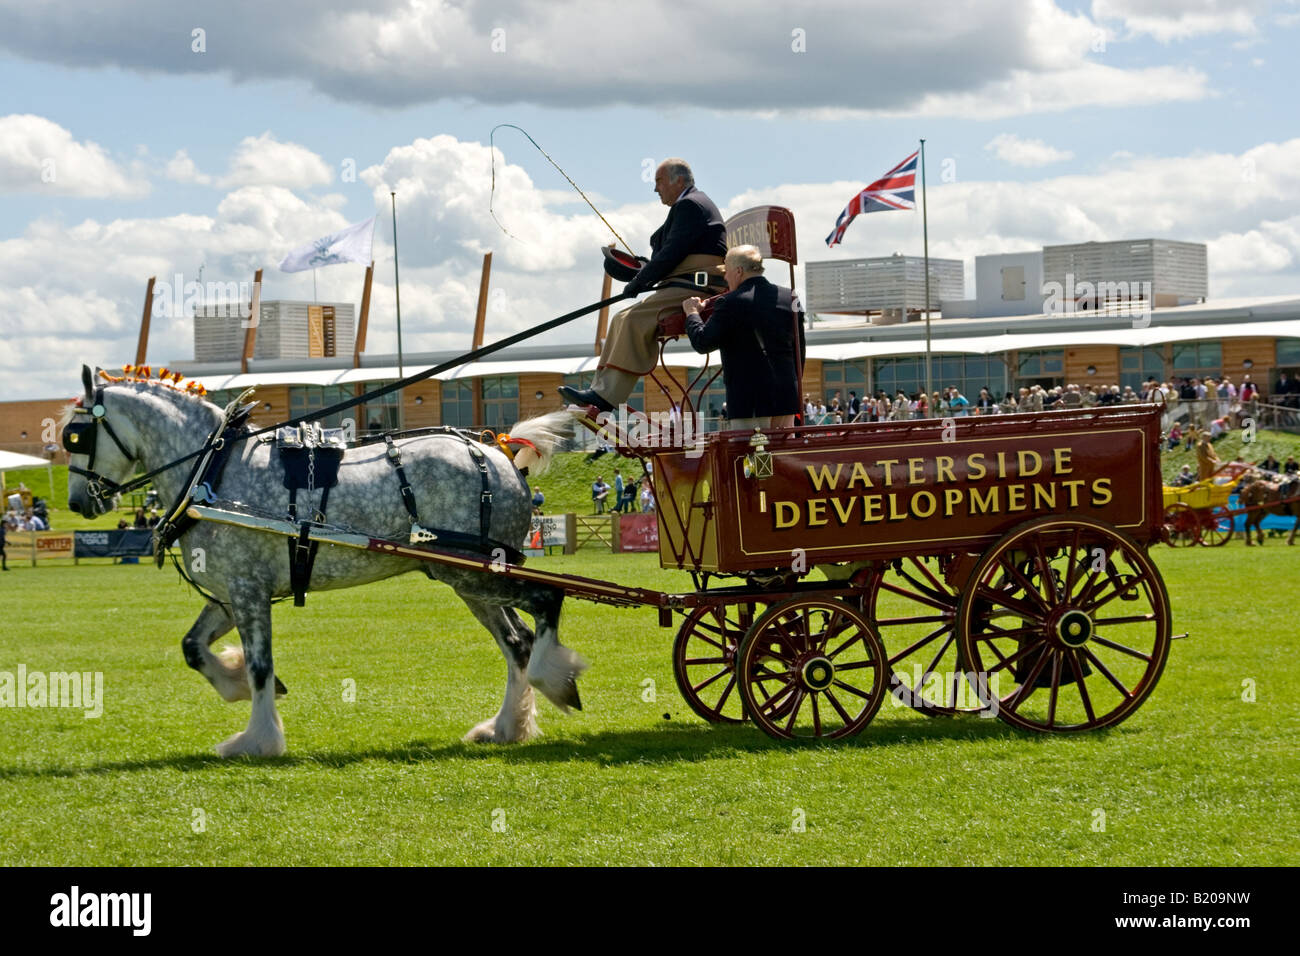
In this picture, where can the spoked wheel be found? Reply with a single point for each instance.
(812, 668)
(1183, 526)
(704, 655)
(1216, 527)
(1065, 623)
(913, 609)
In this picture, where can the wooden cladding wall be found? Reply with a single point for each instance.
(1105, 358)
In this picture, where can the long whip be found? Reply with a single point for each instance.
(492, 193)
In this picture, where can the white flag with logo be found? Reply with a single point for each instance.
(350, 244)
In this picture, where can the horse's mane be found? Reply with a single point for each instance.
(153, 386)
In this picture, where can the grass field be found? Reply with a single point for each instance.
(1197, 776)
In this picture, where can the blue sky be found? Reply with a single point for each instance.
(1145, 117)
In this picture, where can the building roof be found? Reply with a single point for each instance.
(828, 339)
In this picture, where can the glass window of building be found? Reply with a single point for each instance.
(1139, 363)
(905, 372)
(843, 377)
(969, 373)
(1198, 359)
(500, 401)
(382, 414)
(309, 399)
(1288, 353)
(458, 403)
(1044, 367)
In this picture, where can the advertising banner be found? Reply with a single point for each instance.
(638, 532)
(132, 542)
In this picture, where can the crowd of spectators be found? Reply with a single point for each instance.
(35, 518)
(1216, 401)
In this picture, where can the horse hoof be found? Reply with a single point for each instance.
(244, 744)
(484, 733)
(280, 689)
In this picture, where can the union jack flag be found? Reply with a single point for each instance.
(894, 190)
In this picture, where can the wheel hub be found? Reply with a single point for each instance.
(1074, 628)
(817, 673)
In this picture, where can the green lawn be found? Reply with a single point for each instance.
(1196, 776)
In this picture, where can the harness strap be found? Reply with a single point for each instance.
(204, 478)
(419, 533)
(302, 552)
(485, 494)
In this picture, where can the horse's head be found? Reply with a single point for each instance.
(1255, 489)
(99, 455)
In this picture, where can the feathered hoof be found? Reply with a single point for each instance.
(246, 744)
(488, 733)
(484, 733)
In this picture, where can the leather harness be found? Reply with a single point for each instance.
(311, 457)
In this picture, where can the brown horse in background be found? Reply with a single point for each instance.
(1264, 497)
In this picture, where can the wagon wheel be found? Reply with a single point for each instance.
(812, 668)
(1066, 623)
(1216, 526)
(704, 654)
(913, 610)
(1182, 525)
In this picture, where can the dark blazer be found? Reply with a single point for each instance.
(757, 384)
(693, 227)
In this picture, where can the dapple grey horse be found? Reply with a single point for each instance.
(244, 569)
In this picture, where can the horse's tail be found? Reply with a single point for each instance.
(543, 435)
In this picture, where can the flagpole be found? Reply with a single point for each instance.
(925, 228)
(397, 289)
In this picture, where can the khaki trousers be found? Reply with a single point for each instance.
(631, 349)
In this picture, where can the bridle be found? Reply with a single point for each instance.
(80, 437)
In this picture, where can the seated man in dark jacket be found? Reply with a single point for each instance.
(758, 328)
(689, 245)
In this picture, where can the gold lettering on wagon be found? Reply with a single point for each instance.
(948, 491)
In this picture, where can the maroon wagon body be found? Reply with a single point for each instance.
(899, 489)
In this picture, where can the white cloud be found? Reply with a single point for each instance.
(71, 293)
(38, 156)
(1018, 151)
(1168, 20)
(181, 169)
(264, 161)
(999, 59)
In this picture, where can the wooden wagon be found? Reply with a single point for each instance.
(978, 564)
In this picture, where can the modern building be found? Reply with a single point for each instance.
(287, 330)
(889, 289)
(1089, 274)
(1007, 284)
